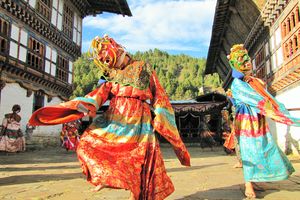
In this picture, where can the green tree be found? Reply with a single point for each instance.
(180, 75)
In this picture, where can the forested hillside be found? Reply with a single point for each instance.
(180, 75)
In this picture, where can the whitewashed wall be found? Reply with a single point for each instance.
(49, 130)
(12, 94)
(290, 99)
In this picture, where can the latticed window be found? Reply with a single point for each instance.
(44, 8)
(35, 55)
(62, 68)
(68, 21)
(260, 57)
(4, 26)
(261, 72)
(38, 100)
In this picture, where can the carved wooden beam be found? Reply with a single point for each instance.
(43, 28)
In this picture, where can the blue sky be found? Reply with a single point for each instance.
(175, 26)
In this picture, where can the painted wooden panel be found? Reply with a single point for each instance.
(32, 3)
(13, 50)
(272, 43)
(268, 66)
(53, 70)
(54, 17)
(60, 6)
(267, 49)
(70, 78)
(59, 22)
(74, 35)
(70, 66)
(75, 20)
(78, 38)
(54, 56)
(24, 37)
(48, 52)
(55, 3)
(274, 62)
(22, 54)
(278, 36)
(47, 67)
(79, 24)
(15, 32)
(279, 56)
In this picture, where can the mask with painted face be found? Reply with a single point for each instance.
(107, 53)
(240, 60)
(116, 64)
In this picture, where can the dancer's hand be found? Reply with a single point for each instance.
(85, 110)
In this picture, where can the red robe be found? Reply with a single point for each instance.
(120, 150)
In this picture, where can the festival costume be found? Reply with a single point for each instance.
(69, 136)
(120, 150)
(228, 135)
(11, 137)
(261, 157)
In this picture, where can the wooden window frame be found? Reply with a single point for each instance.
(68, 21)
(35, 54)
(62, 68)
(38, 100)
(44, 7)
(4, 35)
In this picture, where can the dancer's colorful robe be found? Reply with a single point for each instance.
(69, 136)
(262, 158)
(120, 150)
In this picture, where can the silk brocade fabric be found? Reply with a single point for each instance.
(262, 159)
(120, 149)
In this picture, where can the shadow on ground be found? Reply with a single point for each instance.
(231, 192)
(195, 152)
(224, 193)
(33, 178)
(11, 169)
(183, 169)
(38, 157)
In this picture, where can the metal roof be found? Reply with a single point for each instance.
(93, 7)
(233, 21)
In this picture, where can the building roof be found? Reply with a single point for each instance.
(93, 7)
(233, 22)
(203, 103)
(211, 97)
(183, 101)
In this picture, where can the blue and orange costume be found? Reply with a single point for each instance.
(120, 150)
(262, 159)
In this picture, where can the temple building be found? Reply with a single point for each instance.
(39, 42)
(270, 30)
(196, 118)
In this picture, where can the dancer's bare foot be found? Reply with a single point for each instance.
(238, 165)
(131, 196)
(98, 188)
(249, 191)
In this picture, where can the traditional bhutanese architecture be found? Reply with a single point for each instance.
(270, 30)
(194, 116)
(190, 117)
(39, 42)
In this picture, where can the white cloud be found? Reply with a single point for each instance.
(167, 25)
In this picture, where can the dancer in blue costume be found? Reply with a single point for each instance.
(262, 159)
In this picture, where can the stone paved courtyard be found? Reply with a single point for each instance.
(55, 174)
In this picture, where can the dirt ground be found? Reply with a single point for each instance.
(55, 174)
